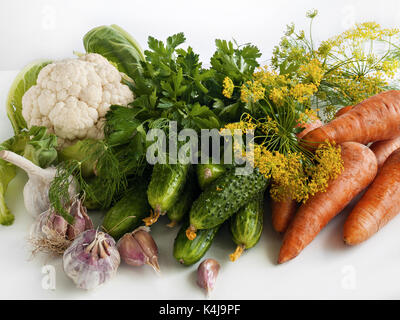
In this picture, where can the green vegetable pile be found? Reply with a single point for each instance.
(170, 85)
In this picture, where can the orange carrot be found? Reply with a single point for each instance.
(343, 111)
(383, 149)
(310, 126)
(374, 119)
(360, 168)
(282, 213)
(379, 204)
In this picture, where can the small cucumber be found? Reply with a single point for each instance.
(95, 202)
(166, 185)
(188, 252)
(207, 173)
(246, 225)
(224, 197)
(185, 201)
(128, 212)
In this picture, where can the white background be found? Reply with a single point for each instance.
(327, 269)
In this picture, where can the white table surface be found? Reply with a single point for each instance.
(326, 269)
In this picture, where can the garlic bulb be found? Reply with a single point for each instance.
(36, 190)
(207, 273)
(91, 259)
(52, 233)
(138, 248)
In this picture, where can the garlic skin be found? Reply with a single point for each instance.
(91, 260)
(36, 190)
(49, 224)
(48, 234)
(207, 274)
(139, 248)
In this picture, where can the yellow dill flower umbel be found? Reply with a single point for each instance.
(252, 91)
(303, 92)
(228, 87)
(292, 176)
(312, 71)
(244, 125)
(329, 166)
(278, 95)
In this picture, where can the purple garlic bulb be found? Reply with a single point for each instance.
(91, 260)
(207, 273)
(138, 248)
(52, 233)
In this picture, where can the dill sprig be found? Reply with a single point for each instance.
(110, 172)
(110, 175)
(68, 173)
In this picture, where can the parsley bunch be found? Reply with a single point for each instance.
(238, 63)
(170, 84)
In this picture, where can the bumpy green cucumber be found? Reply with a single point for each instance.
(184, 202)
(246, 225)
(188, 252)
(166, 185)
(223, 198)
(128, 212)
(207, 173)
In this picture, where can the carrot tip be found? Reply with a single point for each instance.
(286, 256)
(350, 242)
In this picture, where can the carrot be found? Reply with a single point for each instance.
(309, 126)
(360, 167)
(374, 119)
(343, 111)
(282, 213)
(379, 204)
(383, 149)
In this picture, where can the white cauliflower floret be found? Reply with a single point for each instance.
(72, 97)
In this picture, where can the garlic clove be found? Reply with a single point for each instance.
(139, 248)
(207, 274)
(58, 224)
(130, 251)
(82, 221)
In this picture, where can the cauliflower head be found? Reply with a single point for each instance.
(72, 97)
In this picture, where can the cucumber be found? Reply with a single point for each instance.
(207, 173)
(188, 252)
(127, 213)
(97, 201)
(166, 185)
(185, 201)
(246, 225)
(223, 198)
